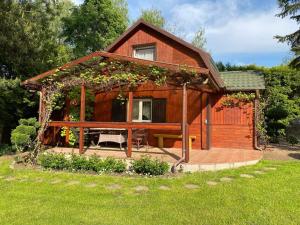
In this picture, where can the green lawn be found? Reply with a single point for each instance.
(40, 197)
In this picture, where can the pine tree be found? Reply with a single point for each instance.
(291, 8)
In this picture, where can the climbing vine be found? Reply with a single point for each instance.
(237, 99)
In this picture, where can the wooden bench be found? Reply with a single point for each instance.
(173, 136)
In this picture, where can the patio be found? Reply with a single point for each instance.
(200, 160)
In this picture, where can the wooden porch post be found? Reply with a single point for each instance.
(82, 119)
(42, 110)
(67, 118)
(185, 128)
(129, 119)
(41, 105)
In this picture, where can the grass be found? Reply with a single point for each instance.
(271, 198)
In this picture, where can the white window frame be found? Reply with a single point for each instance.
(135, 49)
(141, 100)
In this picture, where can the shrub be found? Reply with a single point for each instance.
(23, 135)
(113, 165)
(5, 149)
(54, 161)
(146, 165)
(292, 140)
(81, 163)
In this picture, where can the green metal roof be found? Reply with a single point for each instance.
(243, 80)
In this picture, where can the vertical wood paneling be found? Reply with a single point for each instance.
(232, 127)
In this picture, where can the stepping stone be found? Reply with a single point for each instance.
(269, 168)
(226, 179)
(9, 178)
(212, 183)
(91, 185)
(259, 172)
(55, 181)
(114, 187)
(12, 165)
(246, 176)
(164, 188)
(191, 186)
(141, 188)
(72, 182)
(23, 180)
(39, 180)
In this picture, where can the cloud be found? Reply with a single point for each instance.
(231, 27)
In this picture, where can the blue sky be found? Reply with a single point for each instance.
(237, 31)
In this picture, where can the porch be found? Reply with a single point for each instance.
(205, 160)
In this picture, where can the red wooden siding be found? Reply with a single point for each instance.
(166, 49)
(231, 127)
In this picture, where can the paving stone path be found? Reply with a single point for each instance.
(246, 175)
(212, 183)
(141, 188)
(191, 186)
(114, 187)
(226, 179)
(72, 182)
(91, 185)
(164, 188)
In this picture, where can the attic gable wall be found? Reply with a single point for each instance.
(167, 50)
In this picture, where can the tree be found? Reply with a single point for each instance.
(29, 40)
(199, 39)
(154, 17)
(220, 66)
(94, 25)
(291, 8)
(15, 103)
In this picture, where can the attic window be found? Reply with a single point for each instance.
(144, 52)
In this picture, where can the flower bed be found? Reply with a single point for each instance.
(145, 165)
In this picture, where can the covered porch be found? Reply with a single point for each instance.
(181, 78)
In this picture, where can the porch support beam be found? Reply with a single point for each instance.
(129, 120)
(82, 119)
(125, 125)
(185, 127)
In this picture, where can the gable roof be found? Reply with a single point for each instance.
(243, 80)
(208, 61)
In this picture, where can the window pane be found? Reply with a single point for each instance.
(146, 110)
(145, 53)
(135, 110)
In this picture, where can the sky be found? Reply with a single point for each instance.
(237, 31)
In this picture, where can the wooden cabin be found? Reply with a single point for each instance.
(210, 124)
